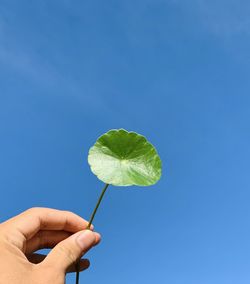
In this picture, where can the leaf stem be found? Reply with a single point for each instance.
(89, 225)
(97, 205)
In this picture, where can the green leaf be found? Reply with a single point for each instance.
(125, 158)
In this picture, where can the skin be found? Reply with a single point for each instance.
(38, 228)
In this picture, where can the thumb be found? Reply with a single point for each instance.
(68, 251)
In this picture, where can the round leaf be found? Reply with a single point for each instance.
(125, 158)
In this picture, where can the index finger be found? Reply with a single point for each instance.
(33, 220)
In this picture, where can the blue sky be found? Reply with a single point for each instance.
(176, 71)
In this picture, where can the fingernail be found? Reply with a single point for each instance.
(89, 228)
(97, 238)
(85, 239)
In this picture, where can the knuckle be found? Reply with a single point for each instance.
(69, 213)
(43, 240)
(67, 252)
(33, 210)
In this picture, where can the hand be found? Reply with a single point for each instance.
(39, 228)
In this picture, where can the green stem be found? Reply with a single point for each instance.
(89, 225)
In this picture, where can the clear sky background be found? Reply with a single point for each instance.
(176, 71)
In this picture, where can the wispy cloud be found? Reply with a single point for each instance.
(33, 66)
(221, 17)
(225, 18)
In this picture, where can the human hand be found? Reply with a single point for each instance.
(39, 228)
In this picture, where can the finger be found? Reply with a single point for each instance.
(38, 258)
(67, 252)
(24, 226)
(84, 264)
(45, 239)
